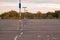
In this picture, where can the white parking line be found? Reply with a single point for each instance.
(16, 37)
(21, 33)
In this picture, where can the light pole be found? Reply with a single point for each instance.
(20, 9)
(24, 8)
(20, 30)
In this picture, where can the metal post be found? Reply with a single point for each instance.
(24, 9)
(20, 31)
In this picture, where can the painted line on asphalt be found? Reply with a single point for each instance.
(21, 34)
(15, 38)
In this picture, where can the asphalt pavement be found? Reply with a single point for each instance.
(30, 29)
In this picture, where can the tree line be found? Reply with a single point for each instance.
(10, 15)
(39, 15)
(28, 15)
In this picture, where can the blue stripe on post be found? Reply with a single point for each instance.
(19, 5)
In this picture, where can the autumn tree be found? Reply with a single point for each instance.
(10, 15)
(39, 15)
(28, 15)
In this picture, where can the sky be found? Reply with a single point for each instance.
(41, 5)
(32, 5)
(8, 5)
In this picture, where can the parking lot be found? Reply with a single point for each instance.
(30, 29)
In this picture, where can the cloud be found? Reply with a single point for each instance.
(7, 5)
(5, 8)
(41, 1)
(43, 7)
(9, 0)
(35, 5)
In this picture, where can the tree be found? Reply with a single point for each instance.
(49, 15)
(57, 13)
(10, 15)
(28, 15)
(22, 15)
(39, 15)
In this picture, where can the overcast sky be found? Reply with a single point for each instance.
(41, 1)
(32, 5)
(7, 5)
(41, 5)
